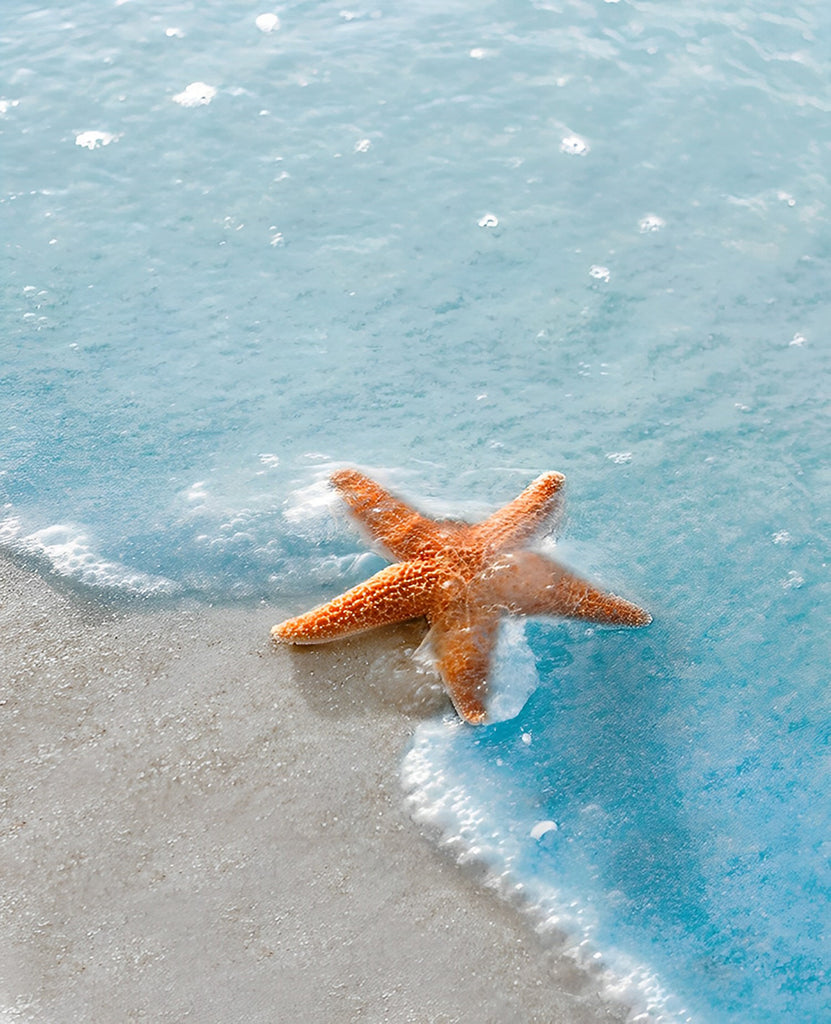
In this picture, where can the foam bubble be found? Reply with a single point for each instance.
(311, 511)
(94, 139)
(542, 828)
(197, 491)
(267, 22)
(600, 273)
(573, 145)
(363, 146)
(651, 222)
(490, 220)
(197, 94)
(619, 458)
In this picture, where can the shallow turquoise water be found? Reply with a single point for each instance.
(461, 244)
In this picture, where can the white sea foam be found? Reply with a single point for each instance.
(95, 139)
(542, 828)
(573, 145)
(651, 222)
(309, 508)
(197, 94)
(70, 553)
(513, 674)
(267, 22)
(477, 831)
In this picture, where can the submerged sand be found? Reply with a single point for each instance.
(197, 826)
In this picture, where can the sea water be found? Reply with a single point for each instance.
(457, 245)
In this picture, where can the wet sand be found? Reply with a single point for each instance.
(197, 826)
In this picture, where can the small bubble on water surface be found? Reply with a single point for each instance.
(573, 145)
(197, 94)
(94, 139)
(651, 222)
(267, 22)
(542, 828)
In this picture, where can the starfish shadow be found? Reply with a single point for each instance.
(369, 674)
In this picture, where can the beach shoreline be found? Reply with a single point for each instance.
(200, 826)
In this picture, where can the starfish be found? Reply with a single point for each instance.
(462, 578)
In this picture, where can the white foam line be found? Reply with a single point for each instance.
(473, 835)
(68, 550)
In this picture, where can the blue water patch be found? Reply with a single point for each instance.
(457, 245)
(670, 820)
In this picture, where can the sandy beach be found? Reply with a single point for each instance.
(198, 826)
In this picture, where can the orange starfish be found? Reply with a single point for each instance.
(462, 578)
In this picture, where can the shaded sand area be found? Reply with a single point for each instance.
(196, 826)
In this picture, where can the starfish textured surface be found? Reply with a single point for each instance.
(463, 578)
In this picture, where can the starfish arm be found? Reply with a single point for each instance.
(524, 517)
(402, 531)
(527, 583)
(463, 650)
(395, 594)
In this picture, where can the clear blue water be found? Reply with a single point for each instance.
(464, 243)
